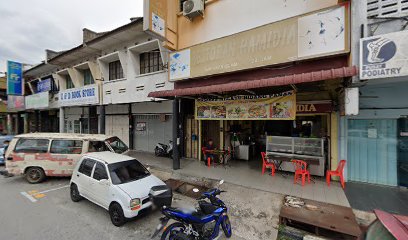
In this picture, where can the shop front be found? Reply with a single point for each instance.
(79, 107)
(15, 114)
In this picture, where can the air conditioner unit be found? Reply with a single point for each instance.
(193, 8)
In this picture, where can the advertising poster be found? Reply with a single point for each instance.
(280, 106)
(14, 78)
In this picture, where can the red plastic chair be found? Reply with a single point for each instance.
(266, 164)
(338, 172)
(204, 150)
(301, 171)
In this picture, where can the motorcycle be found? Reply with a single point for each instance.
(202, 223)
(162, 150)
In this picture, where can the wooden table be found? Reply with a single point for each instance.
(327, 216)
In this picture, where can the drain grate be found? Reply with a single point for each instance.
(185, 188)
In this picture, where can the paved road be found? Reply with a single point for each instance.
(55, 216)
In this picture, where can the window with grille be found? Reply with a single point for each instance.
(88, 78)
(115, 70)
(387, 8)
(68, 81)
(150, 62)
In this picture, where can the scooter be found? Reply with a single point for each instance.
(202, 223)
(163, 150)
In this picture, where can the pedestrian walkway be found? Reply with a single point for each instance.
(246, 175)
(367, 197)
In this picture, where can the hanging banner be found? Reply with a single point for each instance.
(37, 101)
(14, 78)
(280, 106)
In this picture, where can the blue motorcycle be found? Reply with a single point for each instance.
(203, 223)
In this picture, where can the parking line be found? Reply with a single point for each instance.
(53, 189)
(29, 197)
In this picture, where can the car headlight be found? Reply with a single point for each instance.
(135, 204)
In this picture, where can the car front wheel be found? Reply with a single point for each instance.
(116, 215)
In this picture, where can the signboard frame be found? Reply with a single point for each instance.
(15, 83)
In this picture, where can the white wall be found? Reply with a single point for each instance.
(153, 107)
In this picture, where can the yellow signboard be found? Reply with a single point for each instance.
(280, 106)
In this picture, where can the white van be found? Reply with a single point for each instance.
(38, 155)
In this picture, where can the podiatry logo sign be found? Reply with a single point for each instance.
(384, 56)
(280, 106)
(14, 78)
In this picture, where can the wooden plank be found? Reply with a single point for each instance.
(328, 216)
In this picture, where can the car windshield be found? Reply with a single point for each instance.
(117, 145)
(127, 171)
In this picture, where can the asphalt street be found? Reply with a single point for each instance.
(50, 214)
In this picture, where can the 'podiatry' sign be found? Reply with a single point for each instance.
(14, 78)
(87, 95)
(384, 56)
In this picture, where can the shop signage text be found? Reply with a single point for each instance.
(384, 56)
(37, 101)
(279, 42)
(314, 108)
(14, 78)
(44, 85)
(273, 107)
(79, 96)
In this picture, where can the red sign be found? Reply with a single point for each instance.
(314, 108)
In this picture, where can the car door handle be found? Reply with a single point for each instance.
(10, 158)
(77, 175)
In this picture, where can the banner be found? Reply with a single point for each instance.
(15, 103)
(86, 95)
(280, 106)
(44, 85)
(14, 78)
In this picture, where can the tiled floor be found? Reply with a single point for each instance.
(249, 175)
(368, 197)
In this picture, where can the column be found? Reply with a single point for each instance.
(26, 123)
(9, 124)
(101, 129)
(61, 120)
(176, 139)
(131, 127)
(89, 119)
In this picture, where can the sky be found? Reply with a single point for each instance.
(28, 27)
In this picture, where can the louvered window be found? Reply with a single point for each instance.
(387, 8)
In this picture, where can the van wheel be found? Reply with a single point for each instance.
(75, 196)
(35, 175)
(116, 215)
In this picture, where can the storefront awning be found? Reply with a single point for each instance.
(261, 83)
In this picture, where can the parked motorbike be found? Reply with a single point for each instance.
(202, 223)
(163, 150)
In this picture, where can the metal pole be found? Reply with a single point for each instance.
(89, 119)
(101, 119)
(176, 140)
(131, 127)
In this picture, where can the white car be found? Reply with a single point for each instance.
(118, 183)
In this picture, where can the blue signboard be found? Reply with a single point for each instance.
(14, 78)
(44, 85)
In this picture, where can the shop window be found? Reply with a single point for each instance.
(100, 172)
(88, 78)
(86, 167)
(150, 62)
(77, 126)
(97, 146)
(69, 83)
(115, 70)
(32, 146)
(66, 146)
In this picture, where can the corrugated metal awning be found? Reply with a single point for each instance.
(261, 83)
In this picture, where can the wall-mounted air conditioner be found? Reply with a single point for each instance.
(193, 8)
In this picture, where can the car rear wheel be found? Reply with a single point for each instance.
(75, 196)
(116, 215)
(35, 175)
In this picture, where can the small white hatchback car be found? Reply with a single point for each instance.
(118, 183)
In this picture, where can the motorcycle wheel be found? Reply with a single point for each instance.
(172, 232)
(158, 152)
(226, 227)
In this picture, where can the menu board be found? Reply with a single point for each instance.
(280, 106)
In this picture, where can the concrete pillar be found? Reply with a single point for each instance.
(89, 119)
(9, 124)
(176, 139)
(131, 131)
(25, 122)
(61, 120)
(101, 119)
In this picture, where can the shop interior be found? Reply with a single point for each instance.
(244, 140)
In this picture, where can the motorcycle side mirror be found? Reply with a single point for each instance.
(221, 182)
(195, 190)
